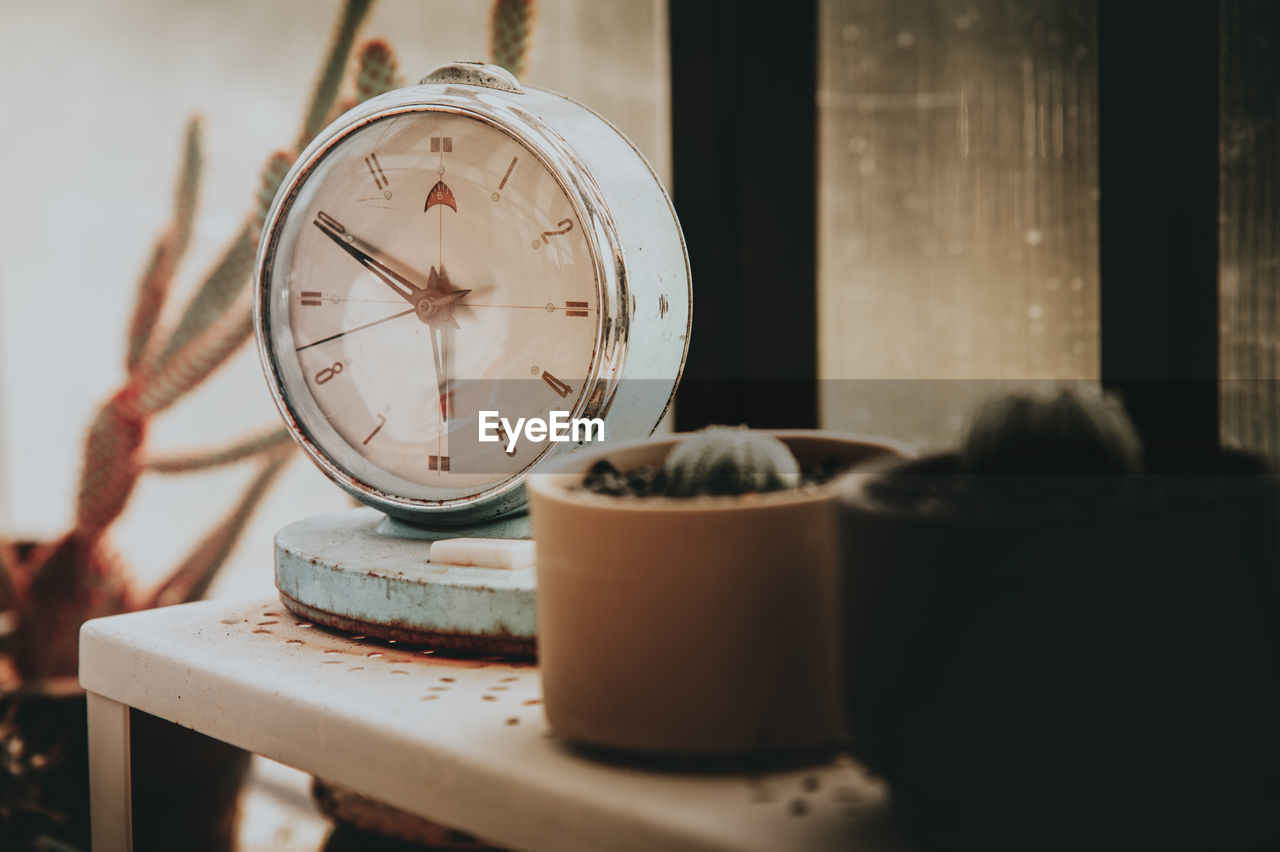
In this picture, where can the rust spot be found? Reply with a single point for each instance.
(268, 632)
(399, 671)
(266, 623)
(508, 679)
(447, 679)
(663, 307)
(374, 654)
(429, 698)
(331, 662)
(798, 807)
(532, 702)
(294, 642)
(499, 688)
(500, 646)
(513, 721)
(489, 698)
(356, 669)
(438, 688)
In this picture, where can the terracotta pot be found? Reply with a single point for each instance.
(698, 626)
(1078, 674)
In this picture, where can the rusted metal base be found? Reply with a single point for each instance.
(464, 643)
(354, 572)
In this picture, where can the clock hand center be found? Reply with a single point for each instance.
(435, 303)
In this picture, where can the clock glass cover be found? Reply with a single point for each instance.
(427, 268)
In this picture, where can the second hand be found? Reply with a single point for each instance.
(357, 328)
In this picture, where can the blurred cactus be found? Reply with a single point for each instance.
(729, 460)
(55, 586)
(510, 33)
(379, 71)
(48, 589)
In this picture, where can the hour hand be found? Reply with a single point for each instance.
(364, 253)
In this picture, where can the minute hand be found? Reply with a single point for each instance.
(364, 253)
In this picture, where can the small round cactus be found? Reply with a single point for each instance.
(729, 460)
(1072, 432)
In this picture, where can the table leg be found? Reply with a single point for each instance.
(110, 797)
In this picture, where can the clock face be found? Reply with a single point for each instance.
(428, 268)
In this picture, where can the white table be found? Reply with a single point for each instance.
(462, 742)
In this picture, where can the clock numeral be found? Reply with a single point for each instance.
(328, 373)
(382, 421)
(326, 221)
(556, 385)
(564, 226)
(442, 144)
(440, 463)
(311, 297)
(575, 309)
(510, 168)
(375, 169)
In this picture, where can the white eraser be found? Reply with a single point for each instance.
(508, 554)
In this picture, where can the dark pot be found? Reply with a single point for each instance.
(186, 786)
(1096, 671)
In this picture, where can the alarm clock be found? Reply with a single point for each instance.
(452, 279)
(452, 258)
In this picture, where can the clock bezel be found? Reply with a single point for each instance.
(501, 111)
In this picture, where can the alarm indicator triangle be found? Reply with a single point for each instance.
(440, 194)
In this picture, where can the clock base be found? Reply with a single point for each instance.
(361, 572)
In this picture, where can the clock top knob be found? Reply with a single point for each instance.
(474, 73)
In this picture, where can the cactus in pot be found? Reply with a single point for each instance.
(727, 460)
(1050, 598)
(729, 535)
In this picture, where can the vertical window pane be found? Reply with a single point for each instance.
(958, 227)
(1249, 244)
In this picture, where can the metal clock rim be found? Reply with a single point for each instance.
(588, 203)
